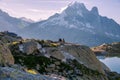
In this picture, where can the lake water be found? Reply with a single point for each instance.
(112, 62)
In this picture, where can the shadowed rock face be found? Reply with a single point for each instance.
(6, 57)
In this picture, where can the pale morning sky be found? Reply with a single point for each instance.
(42, 9)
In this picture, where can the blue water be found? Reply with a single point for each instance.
(112, 62)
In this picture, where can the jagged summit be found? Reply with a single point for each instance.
(76, 5)
(2, 13)
(94, 10)
(76, 24)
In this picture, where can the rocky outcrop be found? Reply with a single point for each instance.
(6, 57)
(62, 59)
(7, 73)
(29, 47)
(112, 49)
(81, 53)
(8, 37)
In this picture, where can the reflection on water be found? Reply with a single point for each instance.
(112, 62)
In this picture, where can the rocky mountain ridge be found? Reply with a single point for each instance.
(8, 23)
(76, 24)
(85, 26)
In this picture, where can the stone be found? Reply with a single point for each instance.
(6, 57)
(30, 47)
(51, 66)
(57, 63)
(7, 73)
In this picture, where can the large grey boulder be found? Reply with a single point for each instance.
(29, 47)
(6, 57)
(82, 54)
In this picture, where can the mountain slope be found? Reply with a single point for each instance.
(10, 23)
(76, 24)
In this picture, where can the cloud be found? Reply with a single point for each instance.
(40, 10)
(34, 10)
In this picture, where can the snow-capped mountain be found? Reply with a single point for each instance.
(76, 24)
(26, 19)
(8, 23)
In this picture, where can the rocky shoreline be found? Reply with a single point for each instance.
(108, 50)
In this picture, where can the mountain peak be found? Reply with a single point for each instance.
(76, 5)
(2, 13)
(76, 8)
(26, 19)
(94, 10)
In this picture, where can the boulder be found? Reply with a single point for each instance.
(6, 57)
(82, 54)
(29, 47)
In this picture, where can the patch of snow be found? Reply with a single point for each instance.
(79, 13)
(59, 20)
(87, 30)
(73, 26)
(89, 26)
(112, 35)
(62, 9)
(109, 34)
(76, 5)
